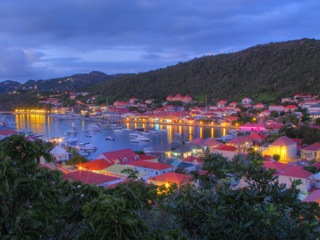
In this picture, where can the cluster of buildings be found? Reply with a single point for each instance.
(165, 165)
(287, 156)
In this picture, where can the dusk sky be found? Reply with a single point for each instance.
(48, 39)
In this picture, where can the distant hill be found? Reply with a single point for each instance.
(8, 86)
(75, 82)
(264, 73)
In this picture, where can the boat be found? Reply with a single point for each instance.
(93, 127)
(88, 135)
(134, 140)
(148, 150)
(88, 147)
(142, 138)
(72, 130)
(109, 138)
(112, 126)
(117, 130)
(70, 140)
(126, 130)
(134, 134)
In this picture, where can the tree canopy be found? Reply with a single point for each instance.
(36, 203)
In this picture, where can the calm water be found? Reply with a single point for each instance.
(52, 127)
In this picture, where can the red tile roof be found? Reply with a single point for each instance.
(198, 141)
(171, 177)
(223, 147)
(278, 166)
(256, 136)
(283, 141)
(296, 172)
(210, 142)
(253, 125)
(312, 147)
(317, 164)
(151, 165)
(124, 156)
(313, 197)
(99, 164)
(146, 157)
(291, 107)
(239, 140)
(89, 177)
(192, 159)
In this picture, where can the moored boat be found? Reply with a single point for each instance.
(109, 138)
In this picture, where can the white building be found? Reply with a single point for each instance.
(60, 154)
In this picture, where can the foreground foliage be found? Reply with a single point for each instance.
(35, 203)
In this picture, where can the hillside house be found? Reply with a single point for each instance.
(226, 151)
(59, 154)
(170, 178)
(285, 147)
(152, 168)
(253, 127)
(124, 156)
(92, 178)
(293, 173)
(241, 143)
(311, 152)
(277, 108)
(246, 101)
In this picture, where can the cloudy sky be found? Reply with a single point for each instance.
(47, 39)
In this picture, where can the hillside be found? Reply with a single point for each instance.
(264, 73)
(8, 86)
(75, 82)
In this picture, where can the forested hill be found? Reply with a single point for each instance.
(75, 82)
(72, 83)
(264, 72)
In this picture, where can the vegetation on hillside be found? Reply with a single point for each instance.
(264, 73)
(35, 203)
(77, 82)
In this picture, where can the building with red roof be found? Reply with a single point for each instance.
(290, 108)
(311, 152)
(93, 178)
(278, 166)
(292, 173)
(152, 168)
(259, 106)
(317, 165)
(124, 156)
(210, 143)
(241, 143)
(257, 137)
(226, 151)
(313, 197)
(170, 178)
(194, 160)
(253, 127)
(198, 141)
(277, 108)
(284, 147)
(94, 165)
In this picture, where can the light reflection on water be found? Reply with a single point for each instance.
(53, 127)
